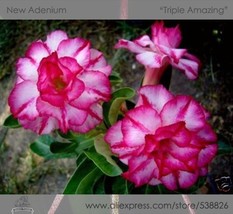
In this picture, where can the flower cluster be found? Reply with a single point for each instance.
(60, 85)
(165, 139)
(160, 51)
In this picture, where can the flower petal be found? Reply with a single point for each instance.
(187, 179)
(170, 37)
(54, 39)
(207, 134)
(48, 110)
(207, 154)
(114, 135)
(152, 59)
(77, 48)
(140, 170)
(134, 135)
(93, 119)
(138, 115)
(98, 83)
(23, 94)
(157, 96)
(27, 69)
(37, 51)
(145, 41)
(132, 46)
(184, 108)
(74, 116)
(75, 90)
(189, 66)
(169, 181)
(71, 64)
(41, 125)
(98, 62)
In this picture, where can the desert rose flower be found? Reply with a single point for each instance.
(164, 139)
(157, 52)
(60, 85)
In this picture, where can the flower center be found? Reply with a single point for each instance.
(59, 83)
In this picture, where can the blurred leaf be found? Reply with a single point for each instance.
(103, 148)
(71, 148)
(11, 122)
(57, 147)
(112, 108)
(41, 146)
(120, 185)
(99, 187)
(101, 162)
(115, 79)
(84, 177)
(68, 135)
(224, 147)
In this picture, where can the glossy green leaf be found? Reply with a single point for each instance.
(75, 148)
(101, 162)
(57, 147)
(112, 108)
(11, 122)
(41, 146)
(85, 173)
(71, 186)
(87, 184)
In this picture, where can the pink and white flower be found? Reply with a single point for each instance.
(160, 51)
(164, 139)
(60, 85)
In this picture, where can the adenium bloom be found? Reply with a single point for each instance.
(61, 84)
(157, 52)
(164, 139)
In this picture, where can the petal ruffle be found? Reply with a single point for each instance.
(184, 108)
(93, 119)
(23, 94)
(132, 46)
(140, 170)
(152, 59)
(98, 62)
(156, 96)
(138, 115)
(54, 39)
(77, 48)
(26, 69)
(37, 51)
(98, 83)
(114, 135)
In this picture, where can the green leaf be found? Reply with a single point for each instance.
(224, 147)
(101, 162)
(11, 122)
(99, 187)
(115, 79)
(85, 174)
(68, 135)
(112, 108)
(57, 147)
(41, 146)
(103, 148)
(78, 143)
(120, 185)
(87, 184)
